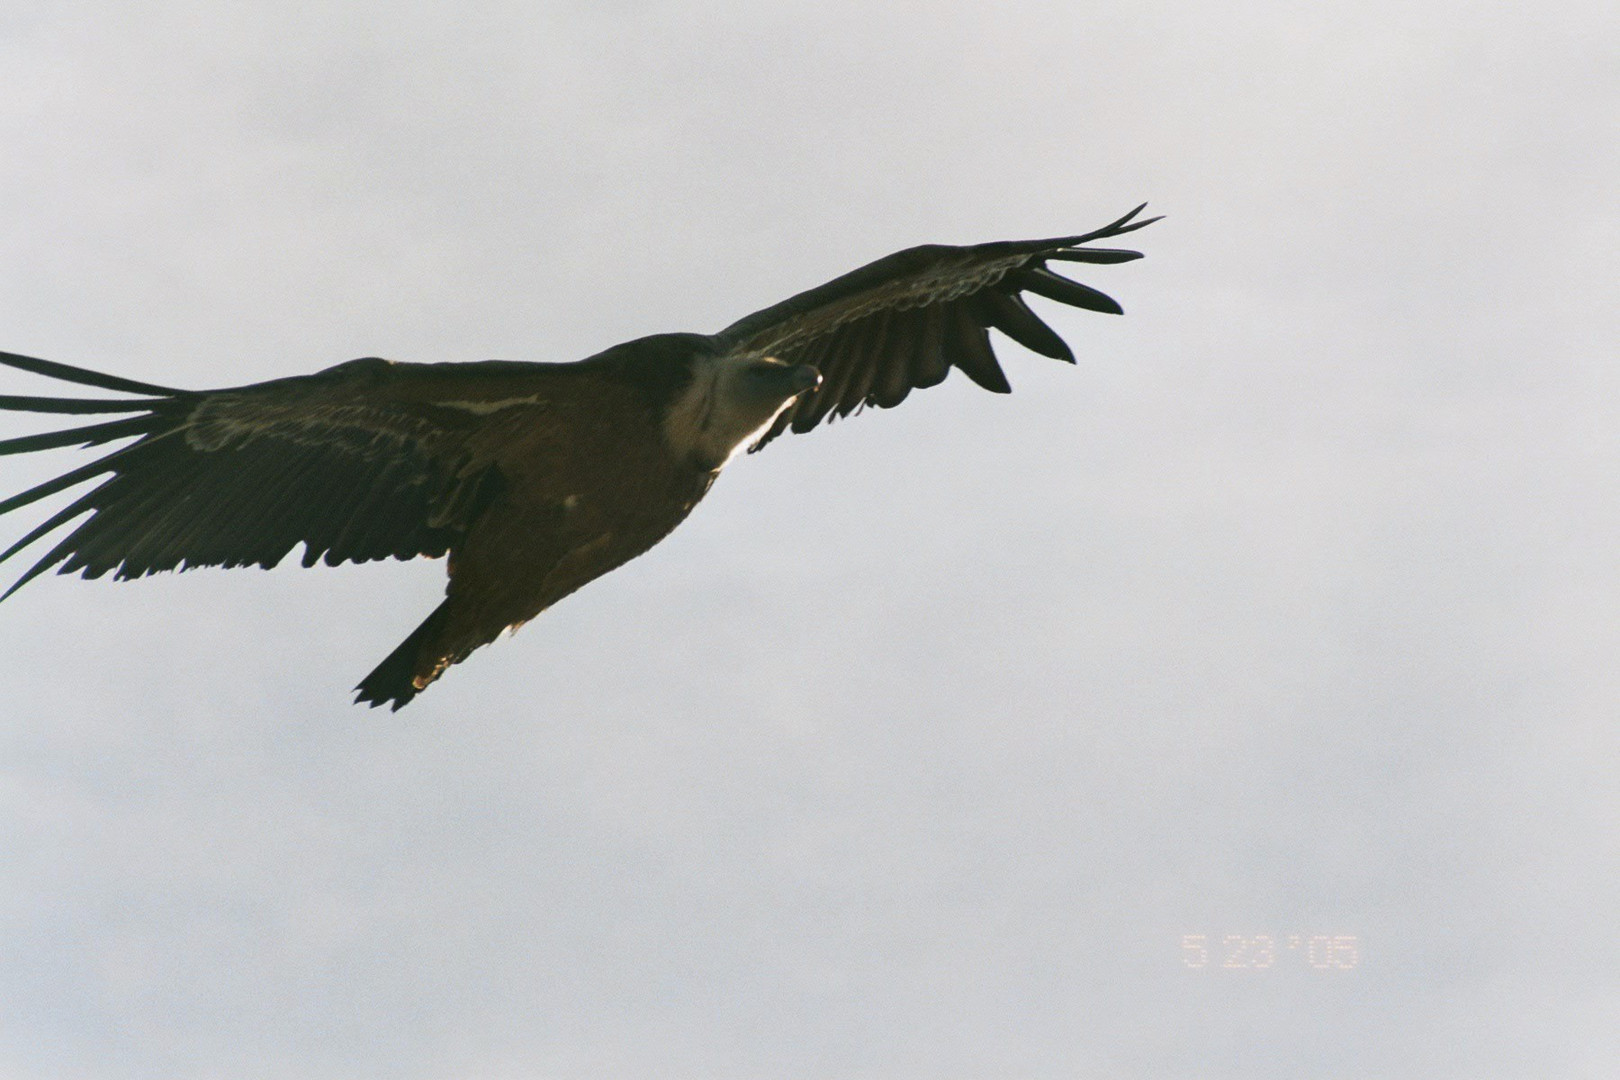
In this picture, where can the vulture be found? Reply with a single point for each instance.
(533, 478)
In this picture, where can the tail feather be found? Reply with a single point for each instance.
(399, 678)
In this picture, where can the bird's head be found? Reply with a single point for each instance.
(730, 401)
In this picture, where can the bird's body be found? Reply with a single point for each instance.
(535, 478)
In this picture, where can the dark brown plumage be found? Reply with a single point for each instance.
(534, 478)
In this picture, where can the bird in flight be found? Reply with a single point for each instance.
(534, 478)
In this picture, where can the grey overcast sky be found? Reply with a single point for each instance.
(937, 742)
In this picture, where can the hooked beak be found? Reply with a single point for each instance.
(803, 377)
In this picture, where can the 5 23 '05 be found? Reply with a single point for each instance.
(1241, 952)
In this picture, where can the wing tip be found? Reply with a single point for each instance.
(53, 369)
(1126, 223)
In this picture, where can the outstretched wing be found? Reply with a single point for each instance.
(366, 460)
(903, 322)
